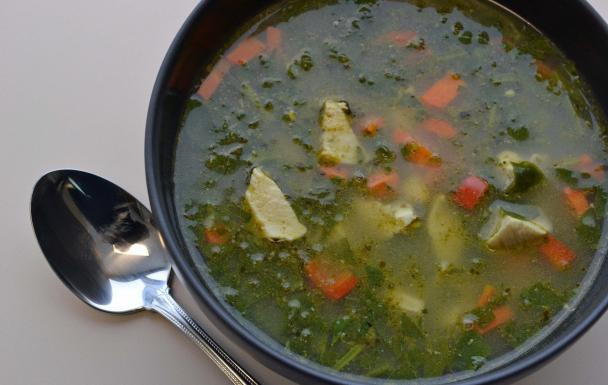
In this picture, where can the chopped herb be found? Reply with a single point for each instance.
(248, 91)
(375, 276)
(224, 163)
(348, 357)
(471, 351)
(384, 155)
(567, 176)
(515, 333)
(542, 300)
(527, 175)
(483, 38)
(466, 37)
(290, 116)
(519, 134)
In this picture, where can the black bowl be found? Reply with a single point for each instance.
(572, 24)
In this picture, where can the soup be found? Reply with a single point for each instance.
(396, 189)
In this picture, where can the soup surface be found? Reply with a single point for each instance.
(396, 189)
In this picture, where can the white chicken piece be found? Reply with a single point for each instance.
(271, 210)
(407, 302)
(512, 225)
(402, 214)
(339, 144)
(507, 230)
(505, 166)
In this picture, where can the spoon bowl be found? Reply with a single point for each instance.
(99, 240)
(103, 245)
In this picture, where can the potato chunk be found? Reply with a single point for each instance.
(407, 302)
(271, 211)
(415, 190)
(339, 144)
(372, 221)
(446, 231)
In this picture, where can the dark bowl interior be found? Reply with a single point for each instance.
(572, 24)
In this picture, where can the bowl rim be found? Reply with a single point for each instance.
(158, 191)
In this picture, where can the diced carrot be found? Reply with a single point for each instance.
(274, 38)
(247, 50)
(543, 69)
(214, 79)
(415, 152)
(402, 137)
(217, 235)
(382, 185)
(441, 128)
(372, 125)
(486, 295)
(418, 154)
(587, 165)
(470, 192)
(557, 252)
(443, 92)
(333, 281)
(401, 38)
(335, 172)
(502, 315)
(577, 200)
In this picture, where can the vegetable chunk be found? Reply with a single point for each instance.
(271, 211)
(213, 80)
(446, 231)
(416, 153)
(274, 38)
(339, 144)
(560, 255)
(442, 93)
(372, 125)
(407, 302)
(217, 235)
(414, 189)
(577, 200)
(373, 221)
(486, 295)
(247, 50)
(502, 315)
(470, 192)
(382, 185)
(334, 281)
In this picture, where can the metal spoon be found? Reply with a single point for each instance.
(102, 244)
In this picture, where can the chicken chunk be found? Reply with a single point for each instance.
(339, 144)
(509, 229)
(271, 210)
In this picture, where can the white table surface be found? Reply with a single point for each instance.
(75, 80)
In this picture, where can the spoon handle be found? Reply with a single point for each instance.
(165, 305)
